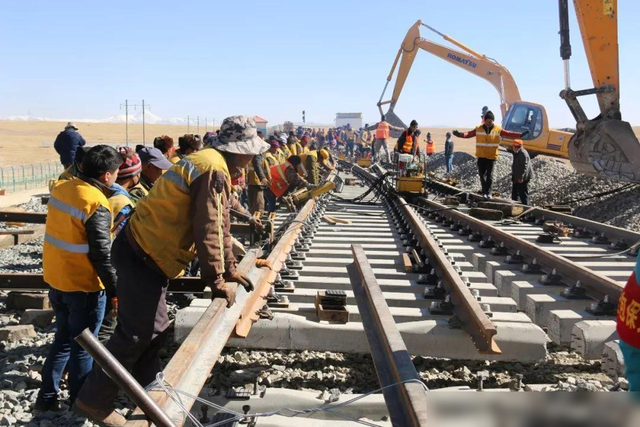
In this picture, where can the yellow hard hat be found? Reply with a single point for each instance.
(324, 154)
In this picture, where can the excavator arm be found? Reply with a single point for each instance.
(466, 58)
(604, 146)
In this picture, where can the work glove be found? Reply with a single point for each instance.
(526, 132)
(456, 133)
(240, 278)
(264, 263)
(222, 290)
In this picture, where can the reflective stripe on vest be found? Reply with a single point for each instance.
(382, 131)
(69, 247)
(65, 258)
(487, 145)
(162, 224)
(408, 144)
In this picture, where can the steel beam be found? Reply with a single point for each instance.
(406, 401)
(474, 320)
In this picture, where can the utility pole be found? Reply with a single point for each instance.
(126, 112)
(126, 120)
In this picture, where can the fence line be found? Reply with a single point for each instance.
(26, 177)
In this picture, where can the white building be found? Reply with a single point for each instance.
(354, 119)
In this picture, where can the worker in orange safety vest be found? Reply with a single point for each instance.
(383, 132)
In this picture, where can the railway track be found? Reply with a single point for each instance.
(433, 280)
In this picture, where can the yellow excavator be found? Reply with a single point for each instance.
(606, 145)
(518, 115)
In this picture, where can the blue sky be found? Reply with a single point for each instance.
(65, 59)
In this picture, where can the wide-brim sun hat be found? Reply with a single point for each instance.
(239, 135)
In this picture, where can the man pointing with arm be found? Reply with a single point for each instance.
(488, 136)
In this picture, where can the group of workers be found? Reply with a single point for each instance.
(121, 223)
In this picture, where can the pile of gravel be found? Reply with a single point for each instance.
(555, 182)
(34, 205)
(22, 258)
(354, 373)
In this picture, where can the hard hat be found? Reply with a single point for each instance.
(517, 143)
(324, 154)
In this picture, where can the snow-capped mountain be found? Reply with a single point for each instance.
(149, 118)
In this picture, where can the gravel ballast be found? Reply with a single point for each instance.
(554, 183)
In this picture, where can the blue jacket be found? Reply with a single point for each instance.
(126, 212)
(448, 148)
(67, 144)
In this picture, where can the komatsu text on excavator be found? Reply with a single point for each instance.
(604, 146)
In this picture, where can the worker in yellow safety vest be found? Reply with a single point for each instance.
(154, 163)
(76, 263)
(258, 180)
(309, 168)
(185, 215)
(488, 136)
(382, 135)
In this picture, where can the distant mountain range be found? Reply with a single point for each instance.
(136, 118)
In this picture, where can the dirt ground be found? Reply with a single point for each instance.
(32, 142)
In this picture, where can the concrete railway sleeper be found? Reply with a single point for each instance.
(569, 287)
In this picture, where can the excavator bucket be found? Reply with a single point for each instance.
(606, 148)
(394, 120)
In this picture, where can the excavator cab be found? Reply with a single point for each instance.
(525, 116)
(604, 146)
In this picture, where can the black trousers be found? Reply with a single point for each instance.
(142, 326)
(485, 170)
(520, 192)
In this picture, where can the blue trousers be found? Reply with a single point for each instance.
(632, 365)
(270, 199)
(449, 163)
(74, 311)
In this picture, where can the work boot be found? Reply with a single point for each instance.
(105, 419)
(53, 405)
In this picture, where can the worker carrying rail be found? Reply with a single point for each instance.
(185, 214)
(383, 132)
(488, 136)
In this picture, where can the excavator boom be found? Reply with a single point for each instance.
(467, 59)
(604, 146)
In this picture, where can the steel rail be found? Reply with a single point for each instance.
(466, 307)
(406, 401)
(610, 231)
(190, 366)
(26, 217)
(598, 284)
(35, 282)
(473, 318)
